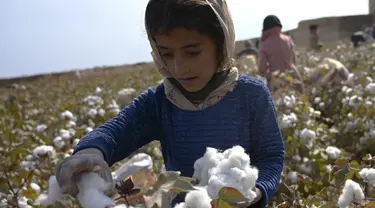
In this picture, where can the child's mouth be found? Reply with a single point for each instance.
(187, 79)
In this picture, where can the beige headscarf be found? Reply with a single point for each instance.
(221, 10)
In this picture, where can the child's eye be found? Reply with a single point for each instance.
(167, 55)
(194, 53)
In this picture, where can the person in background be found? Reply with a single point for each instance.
(373, 31)
(257, 43)
(315, 43)
(276, 53)
(361, 37)
(249, 49)
(202, 102)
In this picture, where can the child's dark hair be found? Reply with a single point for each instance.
(165, 15)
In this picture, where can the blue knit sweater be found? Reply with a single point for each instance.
(246, 116)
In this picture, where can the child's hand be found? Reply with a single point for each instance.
(86, 160)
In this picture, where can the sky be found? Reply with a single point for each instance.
(43, 36)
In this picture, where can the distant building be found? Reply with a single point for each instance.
(331, 29)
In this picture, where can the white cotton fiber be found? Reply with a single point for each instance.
(91, 192)
(54, 194)
(352, 192)
(230, 168)
(197, 199)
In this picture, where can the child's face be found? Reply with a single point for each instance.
(191, 57)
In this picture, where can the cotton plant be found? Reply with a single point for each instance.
(44, 123)
(125, 95)
(113, 107)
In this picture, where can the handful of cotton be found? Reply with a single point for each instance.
(91, 192)
(230, 168)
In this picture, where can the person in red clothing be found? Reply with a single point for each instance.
(276, 53)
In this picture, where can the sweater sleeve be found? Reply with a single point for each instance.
(267, 151)
(136, 125)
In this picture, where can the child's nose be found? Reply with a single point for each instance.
(179, 65)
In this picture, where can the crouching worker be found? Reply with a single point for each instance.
(276, 54)
(329, 73)
(203, 102)
(360, 37)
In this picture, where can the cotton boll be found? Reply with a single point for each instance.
(333, 152)
(251, 177)
(95, 199)
(288, 121)
(289, 101)
(98, 90)
(101, 112)
(41, 199)
(92, 112)
(198, 199)
(75, 142)
(218, 181)
(58, 142)
(70, 124)
(180, 205)
(370, 88)
(88, 129)
(307, 134)
(198, 167)
(67, 115)
(54, 193)
(221, 180)
(239, 157)
(35, 187)
(209, 160)
(368, 175)
(293, 176)
(65, 134)
(91, 192)
(22, 202)
(93, 101)
(43, 151)
(239, 160)
(91, 189)
(352, 192)
(41, 128)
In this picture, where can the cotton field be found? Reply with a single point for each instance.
(329, 135)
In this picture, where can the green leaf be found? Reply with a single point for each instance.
(166, 178)
(304, 178)
(219, 203)
(180, 185)
(354, 164)
(231, 195)
(328, 205)
(340, 175)
(341, 162)
(350, 175)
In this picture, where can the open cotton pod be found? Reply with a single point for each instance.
(140, 168)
